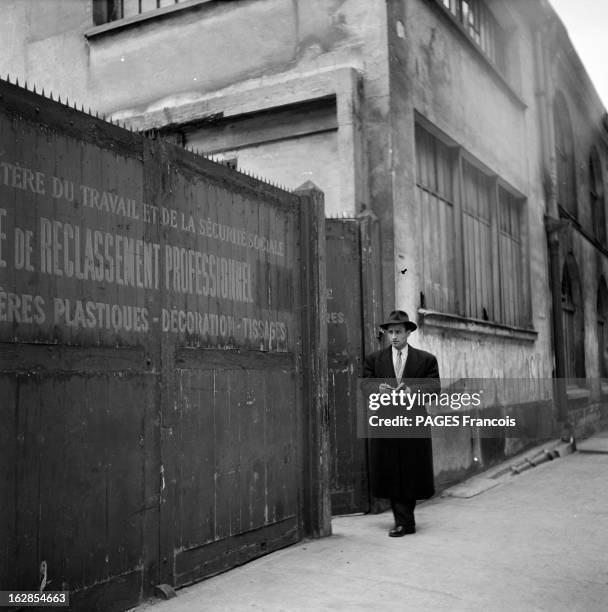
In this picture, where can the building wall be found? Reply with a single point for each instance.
(578, 240)
(200, 52)
(440, 76)
(375, 68)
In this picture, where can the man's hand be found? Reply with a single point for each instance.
(386, 388)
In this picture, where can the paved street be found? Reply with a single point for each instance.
(537, 541)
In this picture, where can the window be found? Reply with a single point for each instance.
(435, 163)
(568, 310)
(602, 318)
(572, 320)
(596, 197)
(511, 249)
(564, 155)
(472, 237)
(105, 11)
(477, 244)
(482, 27)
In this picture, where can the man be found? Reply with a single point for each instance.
(402, 468)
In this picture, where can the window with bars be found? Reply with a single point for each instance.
(472, 237)
(105, 11)
(482, 27)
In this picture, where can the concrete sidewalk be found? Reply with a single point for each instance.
(537, 541)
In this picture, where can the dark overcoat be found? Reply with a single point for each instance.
(402, 468)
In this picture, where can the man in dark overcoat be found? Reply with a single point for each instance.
(402, 468)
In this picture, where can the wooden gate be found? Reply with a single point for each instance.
(162, 382)
(353, 307)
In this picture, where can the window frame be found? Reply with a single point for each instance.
(573, 322)
(481, 26)
(565, 158)
(597, 200)
(602, 322)
(497, 281)
(102, 25)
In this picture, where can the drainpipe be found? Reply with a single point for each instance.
(553, 224)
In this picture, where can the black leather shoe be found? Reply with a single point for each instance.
(401, 530)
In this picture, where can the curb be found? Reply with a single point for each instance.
(498, 475)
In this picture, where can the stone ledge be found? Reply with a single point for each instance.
(441, 320)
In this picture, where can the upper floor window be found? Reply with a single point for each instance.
(481, 25)
(596, 197)
(564, 156)
(105, 11)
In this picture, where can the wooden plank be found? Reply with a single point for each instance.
(257, 401)
(196, 461)
(292, 121)
(8, 481)
(113, 595)
(345, 352)
(224, 455)
(61, 358)
(28, 478)
(316, 504)
(202, 562)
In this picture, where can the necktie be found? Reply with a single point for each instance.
(398, 365)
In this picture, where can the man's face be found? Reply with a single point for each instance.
(398, 335)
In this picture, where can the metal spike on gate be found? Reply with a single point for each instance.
(42, 94)
(59, 98)
(17, 81)
(51, 96)
(34, 89)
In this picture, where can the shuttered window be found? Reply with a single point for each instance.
(477, 243)
(511, 252)
(472, 238)
(435, 183)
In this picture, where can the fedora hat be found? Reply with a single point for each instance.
(399, 317)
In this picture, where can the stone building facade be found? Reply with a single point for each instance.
(468, 128)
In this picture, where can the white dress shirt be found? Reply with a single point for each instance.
(403, 352)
